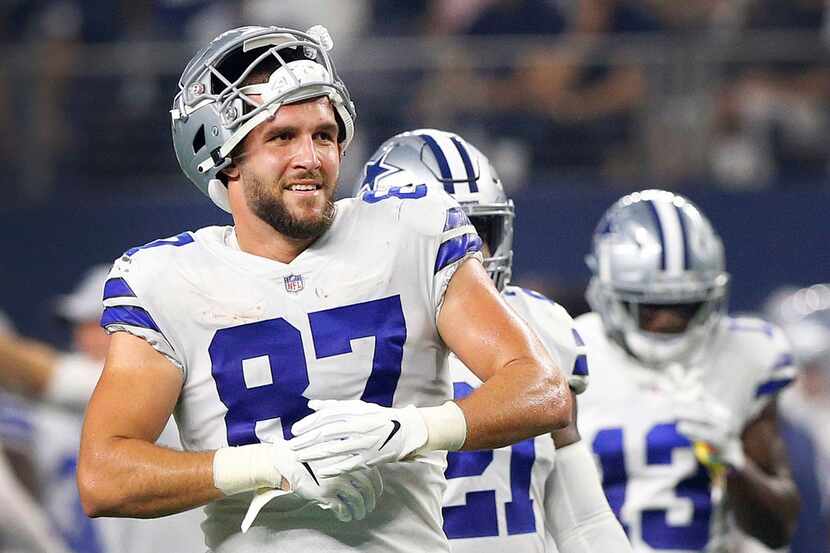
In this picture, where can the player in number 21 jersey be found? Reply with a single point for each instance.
(681, 408)
(513, 496)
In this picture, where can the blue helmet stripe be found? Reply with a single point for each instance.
(686, 262)
(659, 225)
(468, 164)
(446, 174)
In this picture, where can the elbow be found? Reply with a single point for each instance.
(560, 403)
(97, 494)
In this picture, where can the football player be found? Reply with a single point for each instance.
(60, 385)
(539, 489)
(681, 411)
(304, 349)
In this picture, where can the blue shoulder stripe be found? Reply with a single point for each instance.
(455, 248)
(456, 218)
(179, 240)
(128, 315)
(772, 386)
(577, 338)
(784, 360)
(117, 288)
(581, 365)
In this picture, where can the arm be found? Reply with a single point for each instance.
(26, 366)
(22, 517)
(576, 509)
(524, 394)
(121, 472)
(762, 492)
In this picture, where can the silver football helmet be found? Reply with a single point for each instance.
(213, 111)
(804, 316)
(655, 249)
(445, 161)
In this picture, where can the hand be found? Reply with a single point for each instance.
(350, 496)
(713, 429)
(342, 436)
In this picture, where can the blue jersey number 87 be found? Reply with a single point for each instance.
(332, 331)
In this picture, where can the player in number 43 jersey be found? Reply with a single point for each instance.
(526, 495)
(681, 408)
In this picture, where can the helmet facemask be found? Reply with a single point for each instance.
(216, 107)
(494, 224)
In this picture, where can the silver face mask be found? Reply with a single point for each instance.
(213, 111)
(650, 249)
(445, 161)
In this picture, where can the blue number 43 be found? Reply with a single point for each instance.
(332, 331)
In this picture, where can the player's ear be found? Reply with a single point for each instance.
(231, 172)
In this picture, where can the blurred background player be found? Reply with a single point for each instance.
(60, 384)
(514, 496)
(24, 526)
(682, 410)
(804, 316)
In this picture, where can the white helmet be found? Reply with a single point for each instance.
(213, 111)
(655, 248)
(446, 161)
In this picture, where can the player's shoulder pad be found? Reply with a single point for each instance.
(145, 263)
(415, 207)
(555, 327)
(758, 338)
(766, 352)
(534, 305)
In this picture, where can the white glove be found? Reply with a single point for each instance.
(267, 467)
(349, 497)
(342, 436)
(702, 418)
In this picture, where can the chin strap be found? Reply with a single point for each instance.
(218, 192)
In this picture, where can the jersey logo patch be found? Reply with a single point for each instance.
(294, 283)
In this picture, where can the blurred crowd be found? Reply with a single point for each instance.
(729, 93)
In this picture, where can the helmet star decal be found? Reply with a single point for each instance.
(378, 169)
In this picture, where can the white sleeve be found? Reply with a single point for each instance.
(776, 368)
(72, 383)
(132, 294)
(22, 519)
(577, 512)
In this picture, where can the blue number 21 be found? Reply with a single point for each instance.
(332, 331)
(477, 517)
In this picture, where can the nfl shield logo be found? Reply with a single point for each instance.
(293, 283)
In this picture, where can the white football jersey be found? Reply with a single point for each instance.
(495, 498)
(354, 316)
(57, 435)
(655, 486)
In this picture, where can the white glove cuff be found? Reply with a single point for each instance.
(446, 427)
(245, 468)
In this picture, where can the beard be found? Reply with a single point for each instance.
(271, 209)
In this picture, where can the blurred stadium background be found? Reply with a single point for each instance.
(575, 101)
